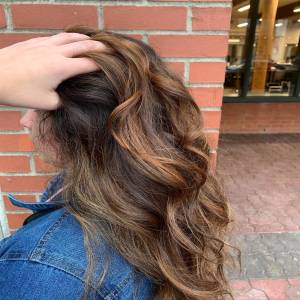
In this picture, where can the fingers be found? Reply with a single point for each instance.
(77, 48)
(69, 44)
(61, 38)
(76, 66)
(33, 41)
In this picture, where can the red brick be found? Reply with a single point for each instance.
(14, 164)
(241, 285)
(16, 220)
(43, 167)
(211, 18)
(260, 118)
(189, 45)
(177, 67)
(145, 18)
(211, 119)
(293, 292)
(213, 139)
(7, 39)
(23, 183)
(2, 17)
(206, 96)
(9, 206)
(10, 120)
(135, 36)
(294, 281)
(50, 16)
(207, 72)
(274, 288)
(15, 143)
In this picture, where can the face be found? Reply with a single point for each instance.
(30, 120)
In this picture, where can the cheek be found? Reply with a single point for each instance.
(44, 148)
(34, 131)
(35, 138)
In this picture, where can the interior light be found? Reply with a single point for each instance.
(260, 19)
(296, 9)
(242, 24)
(298, 20)
(243, 8)
(278, 24)
(233, 41)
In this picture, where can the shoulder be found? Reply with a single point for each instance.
(55, 242)
(29, 280)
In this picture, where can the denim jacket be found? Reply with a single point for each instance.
(46, 259)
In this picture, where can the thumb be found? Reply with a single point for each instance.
(51, 101)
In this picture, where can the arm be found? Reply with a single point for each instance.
(31, 70)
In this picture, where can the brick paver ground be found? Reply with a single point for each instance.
(261, 176)
(267, 289)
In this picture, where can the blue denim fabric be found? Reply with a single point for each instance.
(46, 259)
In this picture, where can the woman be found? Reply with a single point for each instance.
(135, 212)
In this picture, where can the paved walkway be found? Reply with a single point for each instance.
(261, 175)
(267, 289)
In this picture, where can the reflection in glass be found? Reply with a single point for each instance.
(276, 55)
(236, 42)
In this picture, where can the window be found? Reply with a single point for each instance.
(263, 62)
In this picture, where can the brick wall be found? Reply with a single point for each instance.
(191, 36)
(260, 118)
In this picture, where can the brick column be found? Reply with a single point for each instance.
(191, 36)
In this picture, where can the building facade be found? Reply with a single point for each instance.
(262, 82)
(233, 72)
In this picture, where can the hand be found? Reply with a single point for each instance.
(31, 70)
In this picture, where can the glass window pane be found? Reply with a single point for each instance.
(236, 43)
(276, 50)
(275, 61)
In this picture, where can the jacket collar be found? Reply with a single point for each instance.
(34, 206)
(54, 185)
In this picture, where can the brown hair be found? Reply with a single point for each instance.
(131, 140)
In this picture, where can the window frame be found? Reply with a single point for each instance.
(248, 54)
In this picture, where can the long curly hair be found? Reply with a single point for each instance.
(137, 169)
